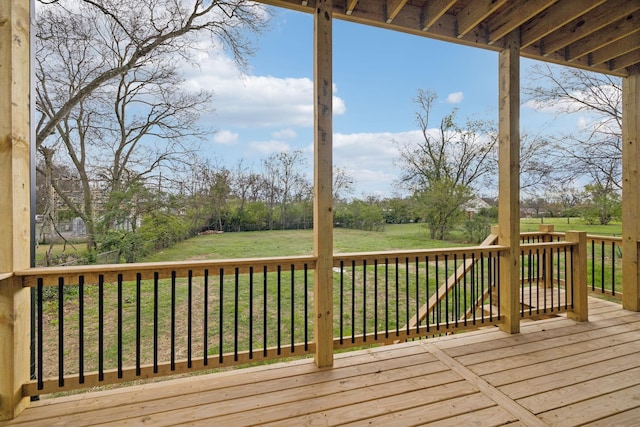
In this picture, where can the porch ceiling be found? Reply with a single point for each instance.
(596, 35)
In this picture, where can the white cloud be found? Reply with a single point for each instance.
(370, 158)
(267, 147)
(285, 134)
(245, 100)
(455, 98)
(225, 137)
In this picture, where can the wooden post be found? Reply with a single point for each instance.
(547, 278)
(509, 181)
(323, 197)
(15, 211)
(577, 277)
(630, 193)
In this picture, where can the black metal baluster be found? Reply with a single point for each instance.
(417, 294)
(205, 315)
(406, 292)
(40, 334)
(613, 268)
(236, 309)
(173, 320)
(464, 283)
(264, 311)
(436, 311)
(593, 265)
(189, 318)
(537, 280)
(306, 307)
(279, 320)
(101, 327)
(81, 329)
(155, 320)
(353, 301)
(602, 250)
(386, 297)
(138, 321)
(119, 292)
(61, 332)
(375, 300)
(397, 298)
(293, 305)
(251, 312)
(341, 309)
(446, 290)
(221, 319)
(364, 300)
(426, 293)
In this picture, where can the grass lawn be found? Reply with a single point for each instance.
(254, 244)
(572, 224)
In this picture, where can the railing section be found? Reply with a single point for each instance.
(102, 325)
(389, 297)
(604, 265)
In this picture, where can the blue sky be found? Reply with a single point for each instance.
(267, 107)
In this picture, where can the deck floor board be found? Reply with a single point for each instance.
(555, 372)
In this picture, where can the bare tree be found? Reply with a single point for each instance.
(594, 150)
(108, 81)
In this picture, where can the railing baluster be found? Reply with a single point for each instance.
(293, 304)
(341, 308)
(436, 310)
(397, 297)
(40, 334)
(426, 294)
(81, 329)
(406, 292)
(221, 318)
(353, 301)
(138, 320)
(602, 251)
(173, 320)
(251, 312)
(60, 332)
(375, 299)
(205, 315)
(417, 294)
(593, 265)
(306, 307)
(155, 320)
(613, 268)
(101, 327)
(386, 297)
(189, 317)
(364, 300)
(279, 309)
(236, 307)
(264, 311)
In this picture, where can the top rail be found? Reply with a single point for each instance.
(163, 270)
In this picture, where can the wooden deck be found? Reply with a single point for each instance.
(555, 372)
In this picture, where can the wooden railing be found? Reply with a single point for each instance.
(107, 324)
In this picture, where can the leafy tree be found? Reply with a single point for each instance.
(604, 205)
(442, 169)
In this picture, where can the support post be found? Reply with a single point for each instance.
(323, 181)
(630, 193)
(15, 210)
(509, 181)
(577, 277)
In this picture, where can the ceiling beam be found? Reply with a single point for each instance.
(558, 15)
(620, 63)
(514, 15)
(393, 8)
(604, 36)
(615, 49)
(588, 23)
(475, 12)
(432, 11)
(351, 4)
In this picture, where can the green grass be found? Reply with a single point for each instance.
(255, 244)
(571, 224)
